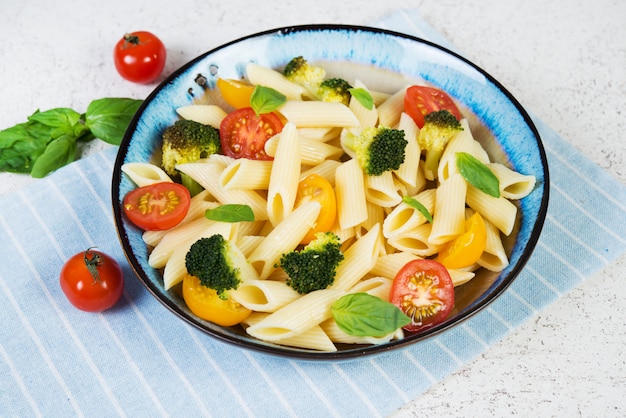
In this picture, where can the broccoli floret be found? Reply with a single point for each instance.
(187, 141)
(377, 149)
(219, 264)
(439, 128)
(335, 90)
(314, 267)
(301, 72)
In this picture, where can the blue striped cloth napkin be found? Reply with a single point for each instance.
(140, 360)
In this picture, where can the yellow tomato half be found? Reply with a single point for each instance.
(206, 304)
(317, 188)
(236, 93)
(465, 250)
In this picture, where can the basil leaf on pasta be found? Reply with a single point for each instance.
(363, 96)
(416, 204)
(364, 315)
(230, 213)
(477, 174)
(266, 99)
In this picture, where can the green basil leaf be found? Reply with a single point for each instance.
(230, 213)
(109, 118)
(61, 118)
(266, 99)
(477, 174)
(416, 204)
(363, 96)
(364, 315)
(58, 153)
(22, 144)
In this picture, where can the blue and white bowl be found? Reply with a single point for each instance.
(504, 128)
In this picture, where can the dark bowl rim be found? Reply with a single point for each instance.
(360, 351)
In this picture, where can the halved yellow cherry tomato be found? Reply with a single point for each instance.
(206, 304)
(236, 93)
(317, 188)
(465, 250)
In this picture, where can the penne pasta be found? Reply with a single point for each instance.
(312, 152)
(350, 191)
(284, 177)
(381, 190)
(211, 115)
(449, 216)
(358, 260)
(244, 173)
(409, 172)
(268, 77)
(297, 317)
(264, 295)
(306, 114)
(390, 110)
(284, 238)
(497, 210)
(366, 117)
(513, 185)
(405, 217)
(494, 257)
(144, 174)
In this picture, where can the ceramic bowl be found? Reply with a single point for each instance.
(498, 121)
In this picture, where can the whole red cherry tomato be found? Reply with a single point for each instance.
(140, 57)
(92, 281)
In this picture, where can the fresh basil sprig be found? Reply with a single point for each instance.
(266, 99)
(363, 96)
(477, 174)
(230, 213)
(48, 140)
(364, 315)
(416, 204)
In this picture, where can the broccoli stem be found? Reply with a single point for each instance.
(431, 162)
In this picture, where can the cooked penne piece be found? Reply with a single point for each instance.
(381, 190)
(264, 295)
(268, 77)
(358, 260)
(350, 191)
(144, 174)
(409, 172)
(463, 142)
(513, 185)
(390, 110)
(312, 152)
(211, 115)
(285, 174)
(244, 173)
(326, 169)
(307, 114)
(389, 265)
(405, 217)
(416, 241)
(337, 335)
(498, 210)
(449, 216)
(284, 238)
(494, 257)
(297, 317)
(366, 117)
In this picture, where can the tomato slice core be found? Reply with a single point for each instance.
(243, 133)
(158, 206)
(424, 291)
(422, 100)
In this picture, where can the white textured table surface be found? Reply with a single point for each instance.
(564, 60)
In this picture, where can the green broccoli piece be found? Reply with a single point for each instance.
(314, 267)
(439, 128)
(218, 263)
(377, 149)
(335, 90)
(187, 141)
(301, 72)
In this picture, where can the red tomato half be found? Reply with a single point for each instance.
(139, 57)
(92, 281)
(158, 206)
(243, 134)
(423, 290)
(421, 100)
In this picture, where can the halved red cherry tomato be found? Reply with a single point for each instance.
(140, 57)
(236, 93)
(423, 290)
(158, 206)
(317, 188)
(466, 249)
(422, 100)
(243, 133)
(92, 281)
(206, 304)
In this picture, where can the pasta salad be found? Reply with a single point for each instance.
(387, 196)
